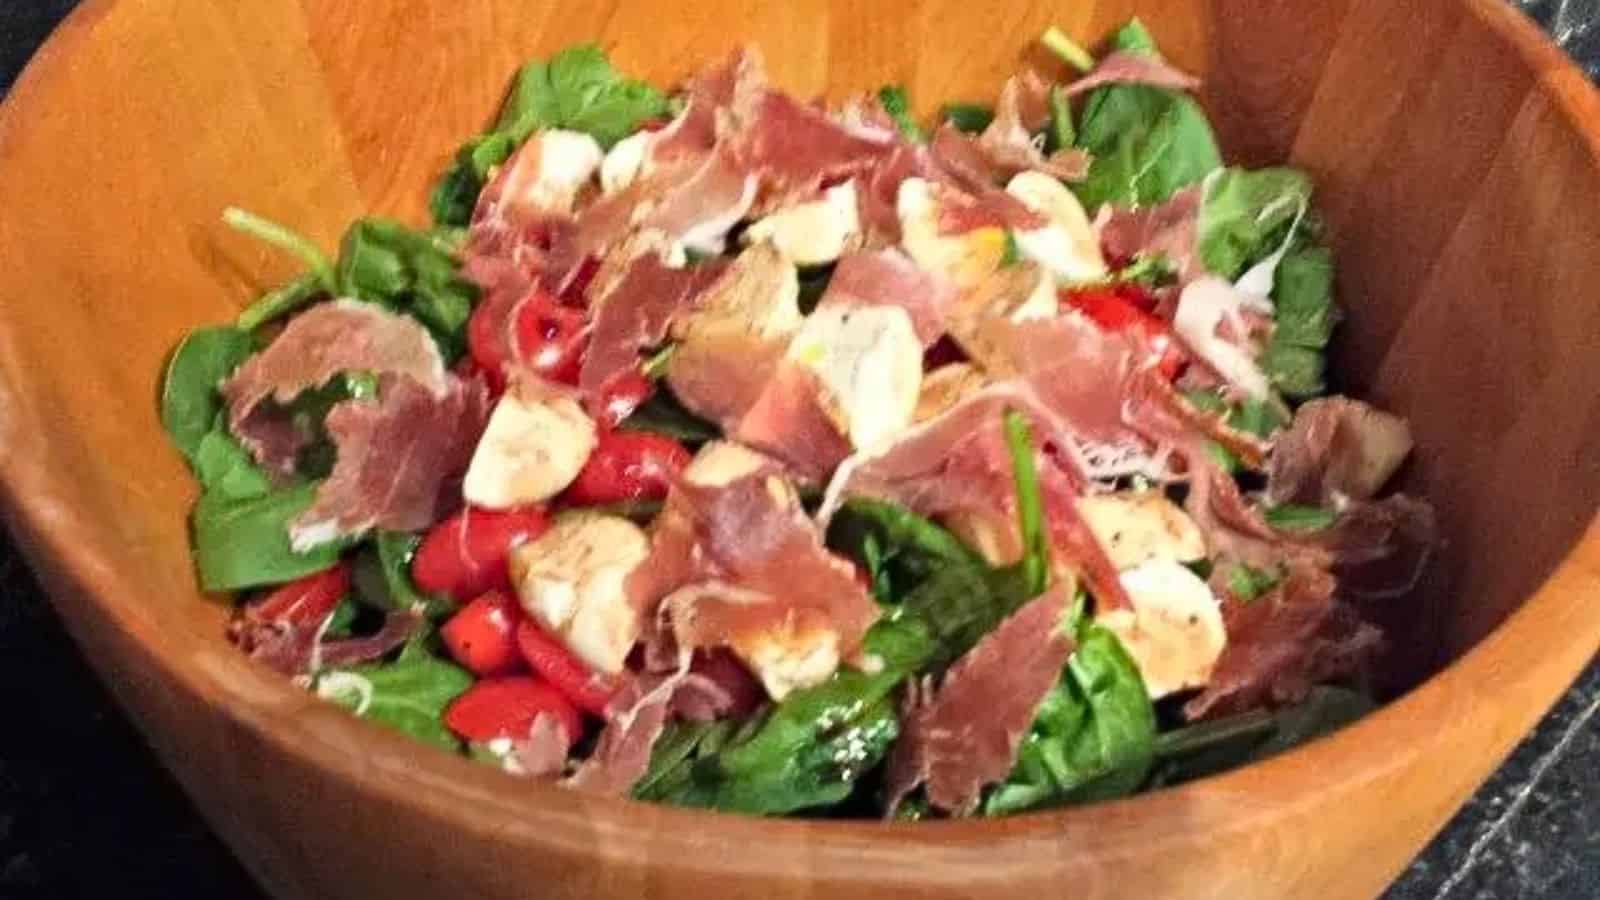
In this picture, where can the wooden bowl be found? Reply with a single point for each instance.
(1459, 160)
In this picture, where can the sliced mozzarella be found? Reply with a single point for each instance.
(816, 232)
(869, 361)
(572, 580)
(1174, 630)
(966, 259)
(624, 161)
(1137, 527)
(759, 295)
(1067, 247)
(1202, 306)
(787, 657)
(550, 170)
(531, 450)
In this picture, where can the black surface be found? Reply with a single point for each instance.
(86, 811)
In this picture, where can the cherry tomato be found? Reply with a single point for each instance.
(533, 330)
(549, 338)
(465, 555)
(482, 635)
(550, 659)
(305, 602)
(1109, 309)
(622, 397)
(628, 465)
(506, 707)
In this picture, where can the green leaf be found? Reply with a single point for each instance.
(409, 695)
(1206, 748)
(1294, 517)
(1012, 254)
(1296, 372)
(898, 547)
(1146, 142)
(244, 542)
(344, 615)
(456, 195)
(1246, 583)
(190, 401)
(1093, 737)
(663, 414)
(286, 239)
(281, 301)
(897, 104)
(972, 118)
(1244, 214)
(1302, 297)
(225, 469)
(410, 271)
(382, 575)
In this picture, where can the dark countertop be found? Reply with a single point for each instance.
(85, 810)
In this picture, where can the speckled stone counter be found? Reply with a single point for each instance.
(85, 810)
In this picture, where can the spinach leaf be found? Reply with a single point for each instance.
(972, 118)
(342, 618)
(383, 261)
(1244, 214)
(1302, 298)
(1094, 735)
(190, 401)
(1294, 517)
(664, 414)
(382, 575)
(408, 695)
(1297, 372)
(897, 104)
(243, 542)
(281, 301)
(577, 89)
(1147, 142)
(224, 468)
(1247, 583)
(895, 545)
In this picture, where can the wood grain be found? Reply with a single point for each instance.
(1460, 162)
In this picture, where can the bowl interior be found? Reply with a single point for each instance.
(1456, 191)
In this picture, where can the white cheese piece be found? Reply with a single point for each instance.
(966, 259)
(1202, 306)
(1067, 247)
(1134, 528)
(624, 161)
(721, 463)
(789, 657)
(572, 581)
(1174, 631)
(560, 165)
(816, 232)
(869, 361)
(531, 450)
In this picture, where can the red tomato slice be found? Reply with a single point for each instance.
(550, 658)
(549, 338)
(506, 707)
(305, 602)
(628, 465)
(465, 555)
(1108, 308)
(482, 635)
(622, 397)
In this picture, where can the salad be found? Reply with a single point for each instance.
(719, 448)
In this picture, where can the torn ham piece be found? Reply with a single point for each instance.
(399, 459)
(621, 756)
(1132, 67)
(890, 278)
(1336, 450)
(1170, 229)
(964, 735)
(326, 340)
(1009, 144)
(1282, 644)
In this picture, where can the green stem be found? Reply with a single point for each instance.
(280, 301)
(1193, 738)
(286, 239)
(1030, 507)
(1058, 43)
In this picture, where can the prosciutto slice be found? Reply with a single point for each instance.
(399, 459)
(890, 278)
(330, 338)
(964, 735)
(1336, 450)
(1008, 144)
(1129, 67)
